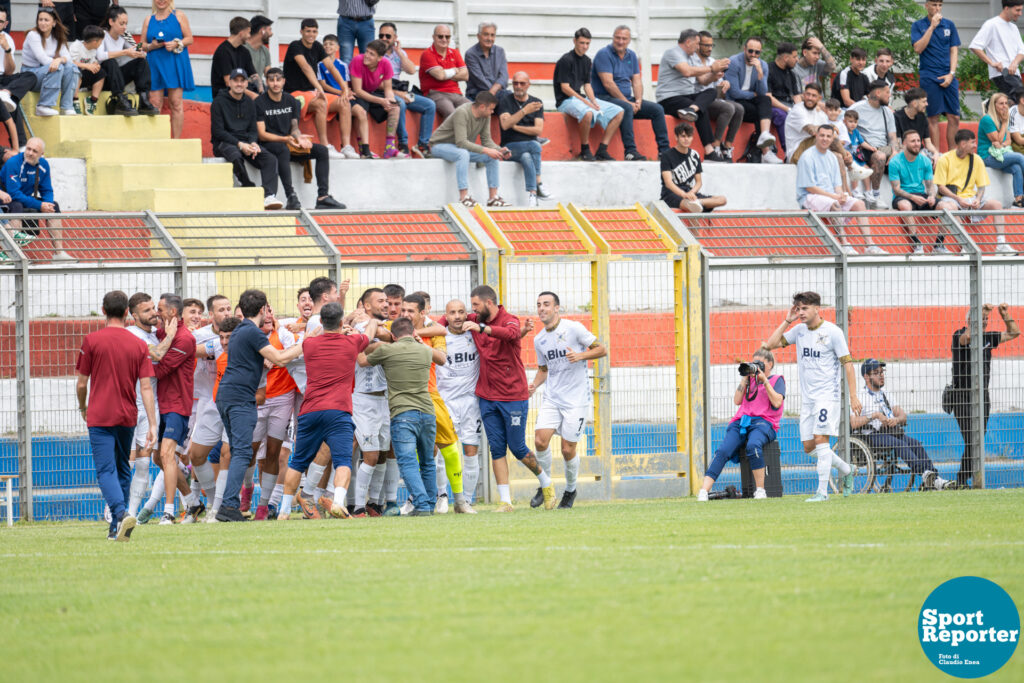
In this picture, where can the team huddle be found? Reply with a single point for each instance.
(310, 402)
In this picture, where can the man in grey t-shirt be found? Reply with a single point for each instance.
(815, 63)
(878, 126)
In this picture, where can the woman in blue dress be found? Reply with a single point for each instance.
(166, 35)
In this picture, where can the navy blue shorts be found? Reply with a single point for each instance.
(173, 426)
(505, 424)
(214, 457)
(941, 100)
(333, 427)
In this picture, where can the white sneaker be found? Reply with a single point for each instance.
(62, 256)
(760, 494)
(349, 152)
(858, 194)
(919, 249)
(692, 206)
(1003, 248)
(5, 98)
(765, 138)
(702, 496)
(46, 111)
(211, 517)
(407, 507)
(68, 112)
(441, 508)
(941, 249)
(333, 153)
(858, 173)
(272, 203)
(876, 250)
(771, 158)
(531, 200)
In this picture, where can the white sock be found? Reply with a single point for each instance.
(442, 477)
(267, 484)
(191, 500)
(286, 502)
(313, 475)
(140, 480)
(363, 475)
(340, 494)
(376, 483)
(503, 493)
(470, 476)
(840, 464)
(824, 455)
(939, 483)
(157, 493)
(330, 482)
(572, 473)
(318, 493)
(222, 483)
(249, 473)
(545, 479)
(207, 479)
(275, 497)
(169, 509)
(544, 459)
(391, 477)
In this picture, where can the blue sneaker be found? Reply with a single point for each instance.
(392, 509)
(817, 498)
(848, 481)
(273, 511)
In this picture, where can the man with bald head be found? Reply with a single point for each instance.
(521, 116)
(28, 186)
(456, 381)
(441, 70)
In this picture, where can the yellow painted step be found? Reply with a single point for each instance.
(112, 151)
(121, 177)
(198, 200)
(58, 131)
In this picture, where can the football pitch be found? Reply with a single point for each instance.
(775, 590)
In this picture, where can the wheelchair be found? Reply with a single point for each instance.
(877, 469)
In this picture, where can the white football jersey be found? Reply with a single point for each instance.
(371, 379)
(150, 339)
(297, 367)
(206, 370)
(817, 357)
(457, 377)
(566, 385)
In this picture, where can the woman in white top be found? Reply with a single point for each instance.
(46, 55)
(124, 63)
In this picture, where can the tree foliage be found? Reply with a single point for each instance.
(840, 24)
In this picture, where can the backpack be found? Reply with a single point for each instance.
(752, 155)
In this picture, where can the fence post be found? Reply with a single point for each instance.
(978, 384)
(23, 383)
(181, 274)
(601, 323)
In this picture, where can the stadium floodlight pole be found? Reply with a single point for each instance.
(23, 369)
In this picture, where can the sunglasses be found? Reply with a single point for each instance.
(386, 35)
(753, 52)
(520, 82)
(443, 37)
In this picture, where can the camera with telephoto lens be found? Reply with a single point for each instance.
(747, 369)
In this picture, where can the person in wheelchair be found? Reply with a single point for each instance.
(881, 425)
(756, 424)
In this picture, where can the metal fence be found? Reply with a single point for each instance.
(902, 308)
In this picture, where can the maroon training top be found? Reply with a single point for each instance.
(175, 373)
(330, 371)
(114, 359)
(502, 375)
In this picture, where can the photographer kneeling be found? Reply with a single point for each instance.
(756, 423)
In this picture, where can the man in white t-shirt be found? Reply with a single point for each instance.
(803, 120)
(456, 382)
(998, 44)
(563, 348)
(821, 349)
(144, 321)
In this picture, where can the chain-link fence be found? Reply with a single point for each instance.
(53, 299)
(904, 306)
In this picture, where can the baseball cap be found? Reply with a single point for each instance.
(237, 73)
(258, 22)
(870, 365)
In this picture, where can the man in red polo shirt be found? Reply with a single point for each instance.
(502, 390)
(115, 359)
(174, 394)
(441, 69)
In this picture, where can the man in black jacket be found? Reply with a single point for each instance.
(234, 134)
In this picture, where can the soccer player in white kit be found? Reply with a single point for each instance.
(820, 350)
(456, 382)
(563, 348)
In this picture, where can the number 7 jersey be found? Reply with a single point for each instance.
(566, 385)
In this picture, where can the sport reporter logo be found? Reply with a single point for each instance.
(969, 627)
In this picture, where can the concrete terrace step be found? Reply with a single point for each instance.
(113, 150)
(146, 176)
(183, 199)
(59, 130)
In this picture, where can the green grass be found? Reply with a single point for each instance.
(635, 591)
